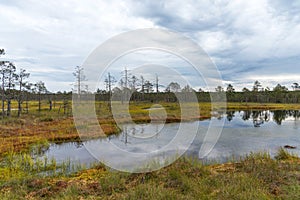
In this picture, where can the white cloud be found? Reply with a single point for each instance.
(214, 42)
(55, 34)
(244, 38)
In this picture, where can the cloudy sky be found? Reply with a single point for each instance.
(247, 40)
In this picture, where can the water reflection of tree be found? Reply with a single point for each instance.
(125, 134)
(132, 131)
(220, 114)
(230, 115)
(258, 116)
(279, 116)
(78, 144)
(246, 115)
(295, 114)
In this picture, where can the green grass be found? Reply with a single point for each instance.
(256, 176)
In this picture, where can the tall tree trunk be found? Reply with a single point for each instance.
(39, 102)
(20, 99)
(19, 108)
(27, 106)
(8, 107)
(50, 105)
(3, 97)
(3, 106)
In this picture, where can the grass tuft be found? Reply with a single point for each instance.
(283, 154)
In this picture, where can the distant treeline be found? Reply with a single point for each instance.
(249, 96)
(15, 85)
(280, 94)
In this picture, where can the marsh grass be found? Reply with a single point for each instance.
(21, 166)
(256, 176)
(285, 155)
(18, 134)
(23, 176)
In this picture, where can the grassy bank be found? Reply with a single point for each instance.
(256, 176)
(18, 134)
(262, 106)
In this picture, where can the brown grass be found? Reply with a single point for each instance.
(17, 134)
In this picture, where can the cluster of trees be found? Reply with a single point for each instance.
(134, 83)
(142, 89)
(279, 94)
(15, 85)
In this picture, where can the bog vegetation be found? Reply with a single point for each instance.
(32, 117)
(256, 176)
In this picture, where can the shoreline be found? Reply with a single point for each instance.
(18, 134)
(256, 176)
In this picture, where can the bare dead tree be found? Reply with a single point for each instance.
(29, 90)
(109, 82)
(124, 82)
(11, 79)
(133, 82)
(156, 83)
(143, 87)
(3, 80)
(40, 89)
(21, 76)
(80, 78)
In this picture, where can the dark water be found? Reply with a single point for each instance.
(243, 132)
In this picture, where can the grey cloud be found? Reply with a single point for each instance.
(244, 38)
(166, 14)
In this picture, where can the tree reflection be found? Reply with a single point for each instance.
(279, 116)
(78, 144)
(246, 115)
(230, 115)
(259, 117)
(295, 114)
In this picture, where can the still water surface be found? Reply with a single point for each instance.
(243, 132)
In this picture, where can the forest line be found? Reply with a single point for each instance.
(15, 86)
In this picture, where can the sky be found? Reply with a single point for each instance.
(247, 40)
